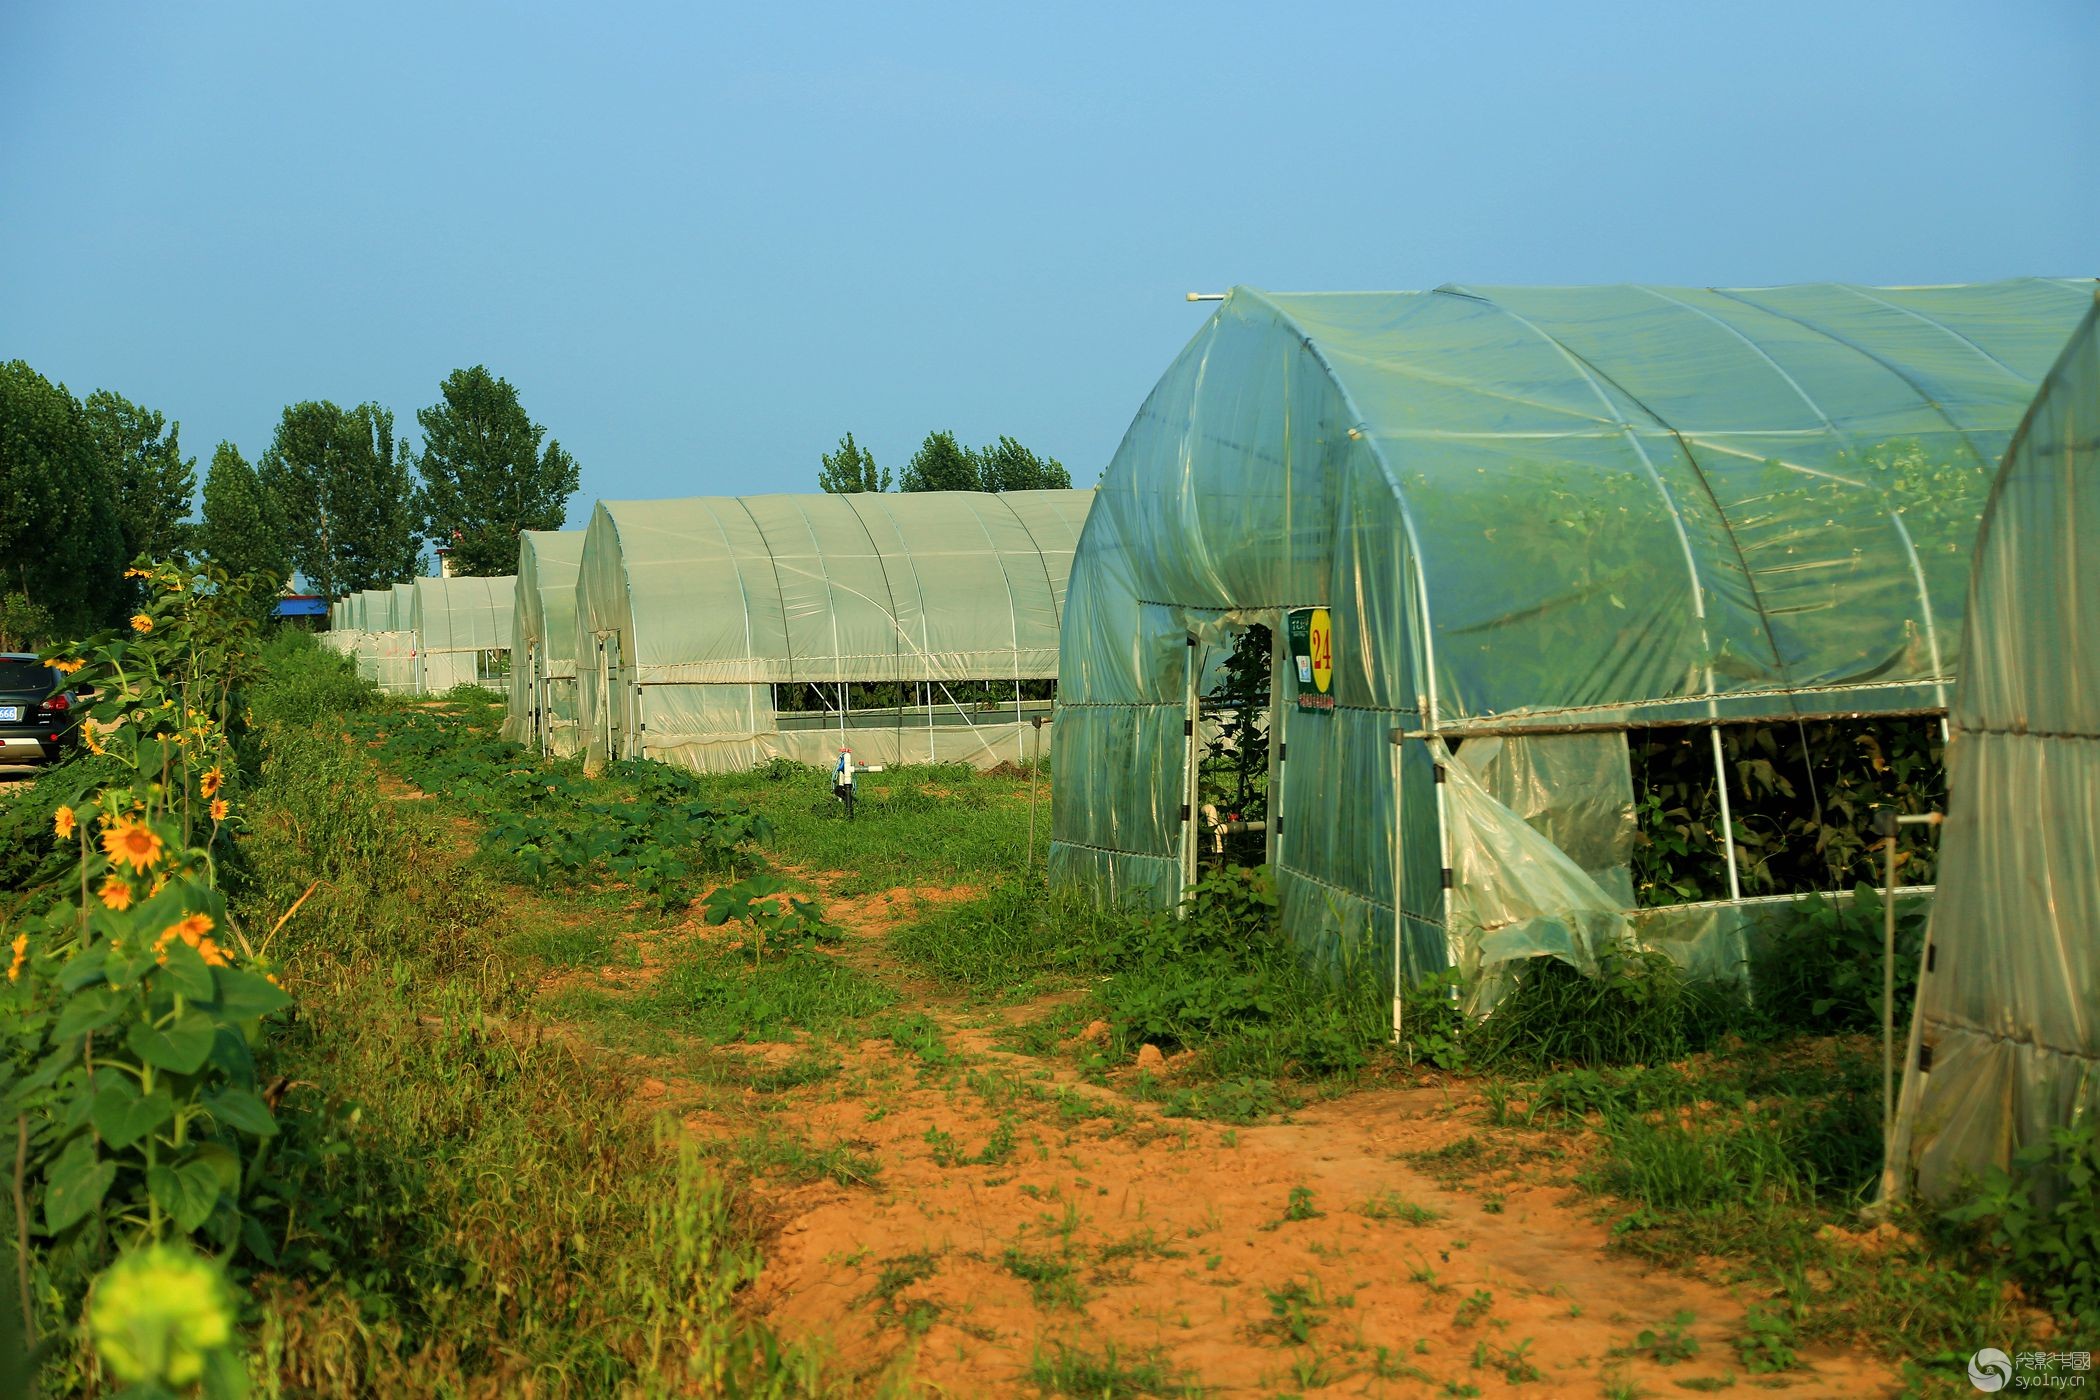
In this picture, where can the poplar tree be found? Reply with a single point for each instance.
(61, 546)
(851, 468)
(153, 481)
(486, 475)
(238, 532)
(340, 490)
(940, 464)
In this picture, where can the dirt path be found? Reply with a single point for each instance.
(1024, 1230)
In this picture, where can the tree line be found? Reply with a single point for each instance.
(943, 464)
(89, 486)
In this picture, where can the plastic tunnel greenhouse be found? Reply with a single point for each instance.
(2005, 1045)
(718, 632)
(1531, 520)
(385, 646)
(542, 713)
(461, 628)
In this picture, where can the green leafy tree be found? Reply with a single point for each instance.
(1008, 466)
(61, 544)
(154, 482)
(852, 468)
(340, 490)
(238, 531)
(486, 475)
(940, 464)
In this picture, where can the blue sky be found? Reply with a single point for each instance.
(704, 241)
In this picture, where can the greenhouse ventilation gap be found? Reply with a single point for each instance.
(2005, 1045)
(1535, 519)
(718, 632)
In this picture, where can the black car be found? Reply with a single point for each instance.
(36, 719)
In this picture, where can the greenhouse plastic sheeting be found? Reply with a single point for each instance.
(388, 660)
(2009, 1002)
(1576, 790)
(370, 611)
(1525, 507)
(455, 621)
(542, 713)
(688, 612)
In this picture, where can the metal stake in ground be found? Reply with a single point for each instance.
(1034, 768)
(1886, 824)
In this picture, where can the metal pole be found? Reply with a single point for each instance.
(1033, 770)
(1735, 886)
(1888, 990)
(1886, 825)
(1188, 777)
(1399, 857)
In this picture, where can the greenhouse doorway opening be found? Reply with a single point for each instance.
(612, 693)
(535, 677)
(1233, 774)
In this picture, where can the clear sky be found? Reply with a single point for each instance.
(704, 240)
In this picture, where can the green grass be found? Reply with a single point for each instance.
(720, 997)
(1083, 1374)
(1014, 941)
(1052, 1279)
(927, 824)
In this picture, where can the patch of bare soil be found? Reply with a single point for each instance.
(1301, 1256)
(1016, 1213)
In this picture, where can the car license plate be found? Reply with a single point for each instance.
(10, 714)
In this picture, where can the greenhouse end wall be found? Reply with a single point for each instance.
(2005, 1045)
(1525, 510)
(542, 713)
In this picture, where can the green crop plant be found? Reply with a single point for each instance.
(2041, 1220)
(771, 915)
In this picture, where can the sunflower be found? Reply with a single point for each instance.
(219, 809)
(92, 734)
(67, 668)
(62, 823)
(115, 894)
(141, 623)
(214, 778)
(213, 954)
(138, 573)
(132, 842)
(193, 928)
(21, 956)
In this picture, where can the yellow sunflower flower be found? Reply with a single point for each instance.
(141, 624)
(115, 894)
(130, 841)
(67, 668)
(62, 822)
(219, 809)
(21, 956)
(214, 778)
